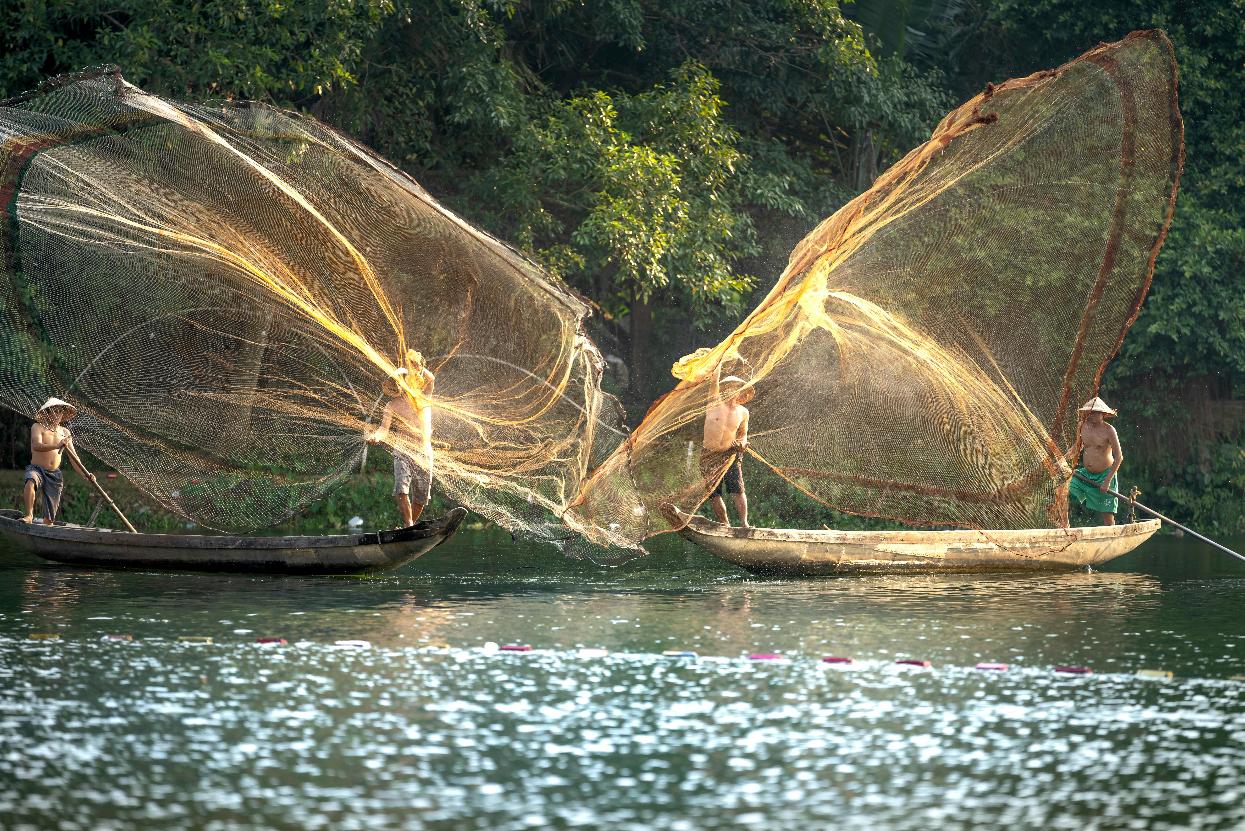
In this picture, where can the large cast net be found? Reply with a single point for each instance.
(923, 355)
(225, 289)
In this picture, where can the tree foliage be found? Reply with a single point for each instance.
(664, 155)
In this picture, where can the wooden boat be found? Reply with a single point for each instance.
(784, 551)
(337, 554)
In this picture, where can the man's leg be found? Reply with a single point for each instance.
(741, 507)
(417, 508)
(404, 509)
(28, 496)
(1108, 519)
(719, 509)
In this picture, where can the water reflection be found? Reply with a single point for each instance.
(156, 732)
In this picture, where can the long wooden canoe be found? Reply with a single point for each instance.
(337, 554)
(785, 551)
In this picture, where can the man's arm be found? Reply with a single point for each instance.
(382, 432)
(715, 383)
(430, 381)
(74, 460)
(1118, 453)
(741, 435)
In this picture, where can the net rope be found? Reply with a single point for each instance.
(224, 289)
(923, 354)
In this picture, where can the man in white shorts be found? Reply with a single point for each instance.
(410, 441)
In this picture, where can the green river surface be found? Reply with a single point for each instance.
(159, 733)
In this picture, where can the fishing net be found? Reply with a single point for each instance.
(225, 289)
(923, 354)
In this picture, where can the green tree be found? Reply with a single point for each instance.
(1183, 364)
(291, 53)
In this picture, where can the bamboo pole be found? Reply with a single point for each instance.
(1166, 519)
(73, 454)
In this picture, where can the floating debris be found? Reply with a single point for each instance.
(766, 656)
(914, 662)
(272, 641)
(1157, 674)
(993, 667)
(1074, 670)
(516, 647)
(44, 636)
(195, 639)
(680, 653)
(117, 638)
(354, 644)
(835, 659)
(592, 652)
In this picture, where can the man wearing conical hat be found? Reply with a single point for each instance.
(406, 426)
(49, 440)
(726, 436)
(1100, 460)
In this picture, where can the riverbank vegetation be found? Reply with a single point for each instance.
(663, 156)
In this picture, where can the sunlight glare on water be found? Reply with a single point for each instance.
(421, 722)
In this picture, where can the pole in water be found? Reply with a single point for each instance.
(1166, 519)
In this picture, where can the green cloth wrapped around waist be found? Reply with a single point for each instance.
(1089, 495)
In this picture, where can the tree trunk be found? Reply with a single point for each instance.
(641, 340)
(864, 161)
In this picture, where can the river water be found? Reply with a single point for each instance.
(427, 725)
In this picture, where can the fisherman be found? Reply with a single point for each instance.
(412, 486)
(1100, 461)
(726, 432)
(48, 439)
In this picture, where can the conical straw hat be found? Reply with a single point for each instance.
(1096, 405)
(56, 402)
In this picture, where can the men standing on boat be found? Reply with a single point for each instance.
(726, 432)
(412, 448)
(1100, 460)
(49, 438)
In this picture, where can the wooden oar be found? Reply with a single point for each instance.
(73, 454)
(1155, 513)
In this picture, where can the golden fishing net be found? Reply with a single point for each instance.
(923, 355)
(224, 289)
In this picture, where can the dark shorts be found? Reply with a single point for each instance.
(732, 480)
(49, 484)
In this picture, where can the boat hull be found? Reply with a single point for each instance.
(335, 554)
(781, 551)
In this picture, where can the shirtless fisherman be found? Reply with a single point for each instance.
(48, 440)
(412, 485)
(1100, 460)
(726, 432)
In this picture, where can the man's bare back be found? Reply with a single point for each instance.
(413, 424)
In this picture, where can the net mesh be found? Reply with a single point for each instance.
(224, 290)
(923, 354)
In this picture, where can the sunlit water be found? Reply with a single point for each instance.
(160, 733)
